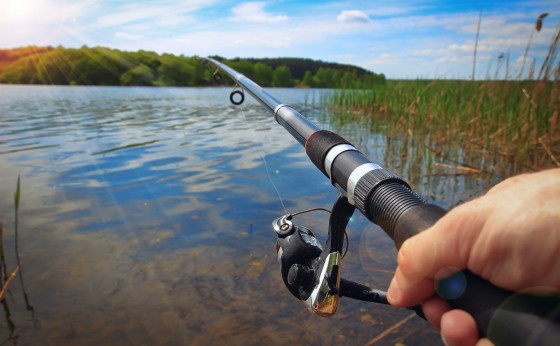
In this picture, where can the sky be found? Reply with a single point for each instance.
(402, 39)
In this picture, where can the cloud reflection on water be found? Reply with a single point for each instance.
(146, 220)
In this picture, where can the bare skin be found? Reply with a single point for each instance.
(510, 236)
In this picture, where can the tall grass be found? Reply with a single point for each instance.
(6, 276)
(500, 127)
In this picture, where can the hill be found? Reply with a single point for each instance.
(299, 66)
(106, 66)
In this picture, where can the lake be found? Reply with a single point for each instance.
(145, 218)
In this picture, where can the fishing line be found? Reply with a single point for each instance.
(255, 140)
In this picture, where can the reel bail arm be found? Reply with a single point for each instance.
(310, 272)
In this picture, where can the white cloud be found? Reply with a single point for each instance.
(385, 11)
(445, 59)
(135, 12)
(427, 52)
(132, 13)
(353, 16)
(127, 36)
(384, 59)
(254, 12)
(462, 47)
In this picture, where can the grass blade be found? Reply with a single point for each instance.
(17, 193)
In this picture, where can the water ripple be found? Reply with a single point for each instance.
(145, 219)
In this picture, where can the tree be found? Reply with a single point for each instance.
(140, 75)
(150, 59)
(172, 71)
(282, 77)
(325, 76)
(22, 71)
(115, 63)
(244, 67)
(90, 72)
(263, 74)
(308, 79)
(105, 66)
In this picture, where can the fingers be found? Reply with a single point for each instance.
(411, 284)
(434, 253)
(493, 237)
(405, 292)
(484, 342)
(433, 309)
(458, 328)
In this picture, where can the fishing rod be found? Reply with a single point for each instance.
(313, 274)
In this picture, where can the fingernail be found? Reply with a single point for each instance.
(445, 342)
(393, 293)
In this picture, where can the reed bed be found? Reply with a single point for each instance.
(499, 127)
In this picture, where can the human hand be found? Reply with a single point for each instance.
(510, 236)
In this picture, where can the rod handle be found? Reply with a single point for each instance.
(505, 317)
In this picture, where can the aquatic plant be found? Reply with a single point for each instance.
(495, 127)
(6, 277)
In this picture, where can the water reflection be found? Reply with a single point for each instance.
(146, 213)
(440, 177)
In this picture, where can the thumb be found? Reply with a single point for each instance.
(434, 253)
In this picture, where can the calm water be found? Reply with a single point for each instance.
(145, 219)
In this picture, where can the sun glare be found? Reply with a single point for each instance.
(19, 10)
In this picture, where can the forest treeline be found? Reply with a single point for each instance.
(106, 66)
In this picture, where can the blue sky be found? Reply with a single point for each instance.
(402, 39)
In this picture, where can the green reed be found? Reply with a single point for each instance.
(516, 121)
(6, 276)
(500, 127)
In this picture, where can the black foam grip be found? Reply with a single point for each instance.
(318, 145)
(505, 317)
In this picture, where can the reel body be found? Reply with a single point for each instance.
(298, 254)
(311, 272)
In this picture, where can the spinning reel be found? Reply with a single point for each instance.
(312, 273)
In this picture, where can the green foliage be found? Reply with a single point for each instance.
(150, 59)
(89, 72)
(282, 77)
(105, 66)
(263, 74)
(112, 63)
(55, 68)
(325, 77)
(243, 67)
(308, 79)
(24, 71)
(298, 67)
(173, 71)
(17, 193)
(503, 126)
(140, 75)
